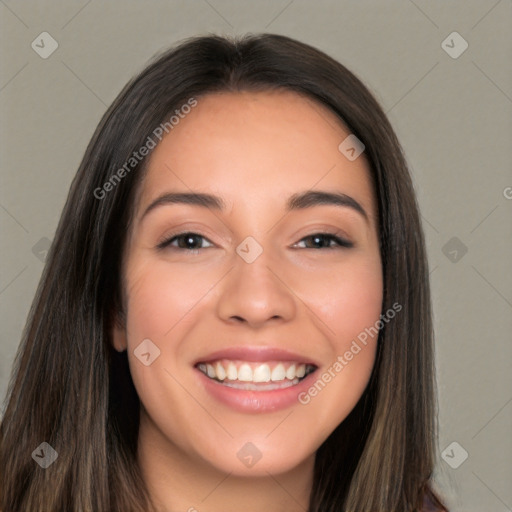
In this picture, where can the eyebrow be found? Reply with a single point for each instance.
(297, 201)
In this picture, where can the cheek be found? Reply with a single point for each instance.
(358, 303)
(348, 305)
(161, 308)
(347, 300)
(160, 300)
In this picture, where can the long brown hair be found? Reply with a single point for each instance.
(71, 389)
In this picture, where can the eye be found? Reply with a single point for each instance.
(189, 241)
(186, 241)
(324, 239)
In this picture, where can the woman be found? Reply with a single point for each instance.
(255, 369)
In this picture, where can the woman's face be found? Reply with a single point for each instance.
(257, 291)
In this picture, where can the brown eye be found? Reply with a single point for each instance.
(323, 241)
(187, 241)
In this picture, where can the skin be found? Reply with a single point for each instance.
(254, 150)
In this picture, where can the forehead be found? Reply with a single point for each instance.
(256, 145)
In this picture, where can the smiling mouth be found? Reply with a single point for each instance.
(255, 376)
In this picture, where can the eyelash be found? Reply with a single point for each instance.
(342, 243)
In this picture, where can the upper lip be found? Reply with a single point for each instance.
(256, 354)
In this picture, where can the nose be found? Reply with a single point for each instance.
(256, 293)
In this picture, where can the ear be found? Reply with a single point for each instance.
(118, 333)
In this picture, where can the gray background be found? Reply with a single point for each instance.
(452, 115)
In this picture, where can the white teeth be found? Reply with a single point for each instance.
(245, 373)
(221, 373)
(278, 373)
(228, 371)
(290, 373)
(210, 371)
(261, 373)
(232, 372)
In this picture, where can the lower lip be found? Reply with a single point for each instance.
(255, 401)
